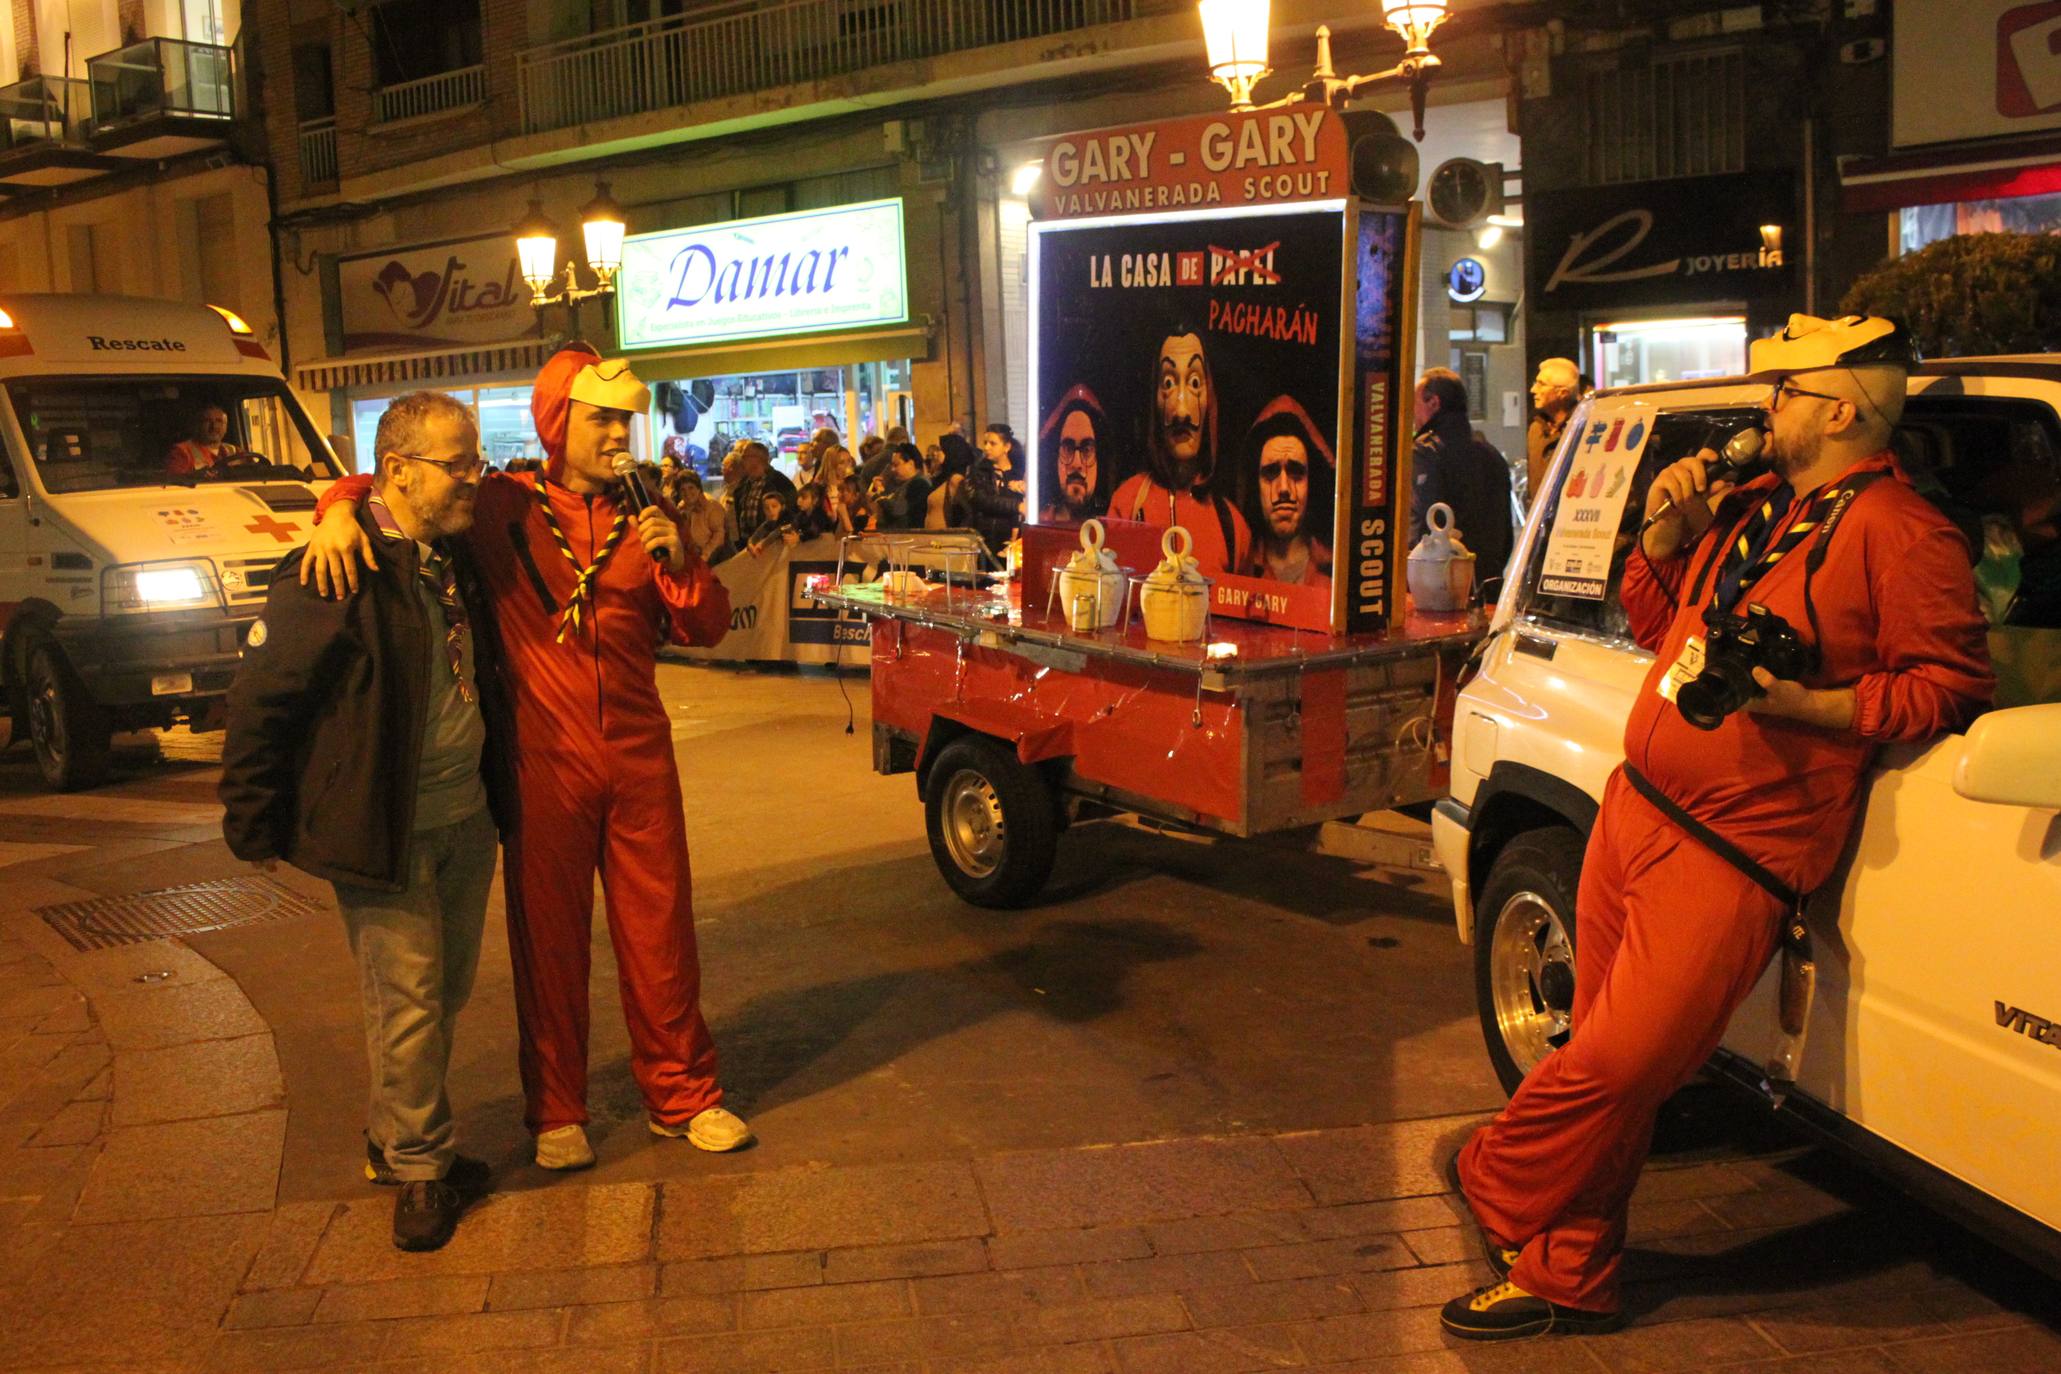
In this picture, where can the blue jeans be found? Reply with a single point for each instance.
(417, 952)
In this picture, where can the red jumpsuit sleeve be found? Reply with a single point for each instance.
(1933, 644)
(353, 489)
(1652, 592)
(179, 461)
(697, 603)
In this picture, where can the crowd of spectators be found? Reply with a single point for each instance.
(890, 484)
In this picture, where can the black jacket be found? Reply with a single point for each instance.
(996, 510)
(1449, 464)
(324, 742)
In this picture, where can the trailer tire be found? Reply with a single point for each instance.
(70, 732)
(993, 823)
(1524, 949)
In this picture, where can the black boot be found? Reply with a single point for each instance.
(426, 1214)
(471, 1177)
(1505, 1312)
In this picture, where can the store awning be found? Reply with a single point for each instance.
(474, 363)
(789, 354)
(1944, 176)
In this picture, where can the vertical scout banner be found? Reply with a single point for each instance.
(1371, 520)
(1199, 332)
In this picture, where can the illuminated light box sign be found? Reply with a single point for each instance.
(815, 270)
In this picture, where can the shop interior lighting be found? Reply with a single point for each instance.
(1673, 326)
(1507, 221)
(1235, 33)
(1490, 235)
(601, 233)
(1025, 178)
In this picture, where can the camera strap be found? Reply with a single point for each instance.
(1739, 565)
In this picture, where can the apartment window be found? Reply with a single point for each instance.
(314, 81)
(413, 39)
(1679, 116)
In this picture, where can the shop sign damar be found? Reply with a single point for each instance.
(1661, 242)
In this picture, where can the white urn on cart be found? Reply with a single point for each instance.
(1175, 597)
(1441, 568)
(1090, 585)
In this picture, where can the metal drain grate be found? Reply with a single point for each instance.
(106, 922)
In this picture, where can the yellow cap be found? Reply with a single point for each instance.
(611, 385)
(1809, 343)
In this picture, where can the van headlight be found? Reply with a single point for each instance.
(189, 586)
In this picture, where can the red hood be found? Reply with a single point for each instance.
(551, 402)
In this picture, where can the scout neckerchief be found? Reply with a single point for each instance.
(584, 578)
(435, 570)
(1750, 555)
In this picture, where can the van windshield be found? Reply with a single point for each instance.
(93, 433)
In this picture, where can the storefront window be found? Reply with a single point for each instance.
(1924, 224)
(704, 416)
(506, 430)
(1634, 352)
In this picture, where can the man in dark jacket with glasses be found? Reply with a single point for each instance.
(368, 744)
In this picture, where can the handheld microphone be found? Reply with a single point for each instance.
(1742, 451)
(640, 496)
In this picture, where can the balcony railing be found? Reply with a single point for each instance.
(742, 48)
(44, 111)
(318, 151)
(162, 77)
(452, 90)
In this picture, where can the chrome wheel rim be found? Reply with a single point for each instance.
(1528, 941)
(976, 835)
(46, 720)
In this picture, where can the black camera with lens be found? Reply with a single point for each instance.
(1733, 647)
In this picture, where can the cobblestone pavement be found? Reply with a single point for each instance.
(144, 1121)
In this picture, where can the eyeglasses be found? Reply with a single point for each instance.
(1083, 449)
(462, 469)
(1785, 387)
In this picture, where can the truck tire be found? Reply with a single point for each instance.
(69, 731)
(992, 822)
(1524, 949)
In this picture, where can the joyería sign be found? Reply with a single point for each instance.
(802, 273)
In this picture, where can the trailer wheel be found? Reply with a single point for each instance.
(69, 731)
(993, 824)
(1524, 950)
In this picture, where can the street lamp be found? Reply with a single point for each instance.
(1235, 33)
(536, 250)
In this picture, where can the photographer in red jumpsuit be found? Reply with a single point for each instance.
(1730, 803)
(584, 589)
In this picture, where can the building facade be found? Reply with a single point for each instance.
(1697, 173)
(128, 158)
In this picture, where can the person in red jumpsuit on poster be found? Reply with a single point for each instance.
(584, 588)
(1672, 932)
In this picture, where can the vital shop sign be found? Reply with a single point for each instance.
(815, 270)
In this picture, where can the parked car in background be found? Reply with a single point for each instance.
(1932, 1044)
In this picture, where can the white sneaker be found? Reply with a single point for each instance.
(564, 1147)
(715, 1130)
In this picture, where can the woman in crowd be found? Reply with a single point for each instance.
(996, 485)
(850, 509)
(949, 507)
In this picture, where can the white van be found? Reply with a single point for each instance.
(126, 588)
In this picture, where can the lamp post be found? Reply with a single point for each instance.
(536, 249)
(1235, 33)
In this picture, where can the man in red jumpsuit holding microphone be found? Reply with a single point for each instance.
(1721, 816)
(583, 588)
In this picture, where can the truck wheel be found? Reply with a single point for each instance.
(70, 732)
(993, 825)
(1524, 950)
